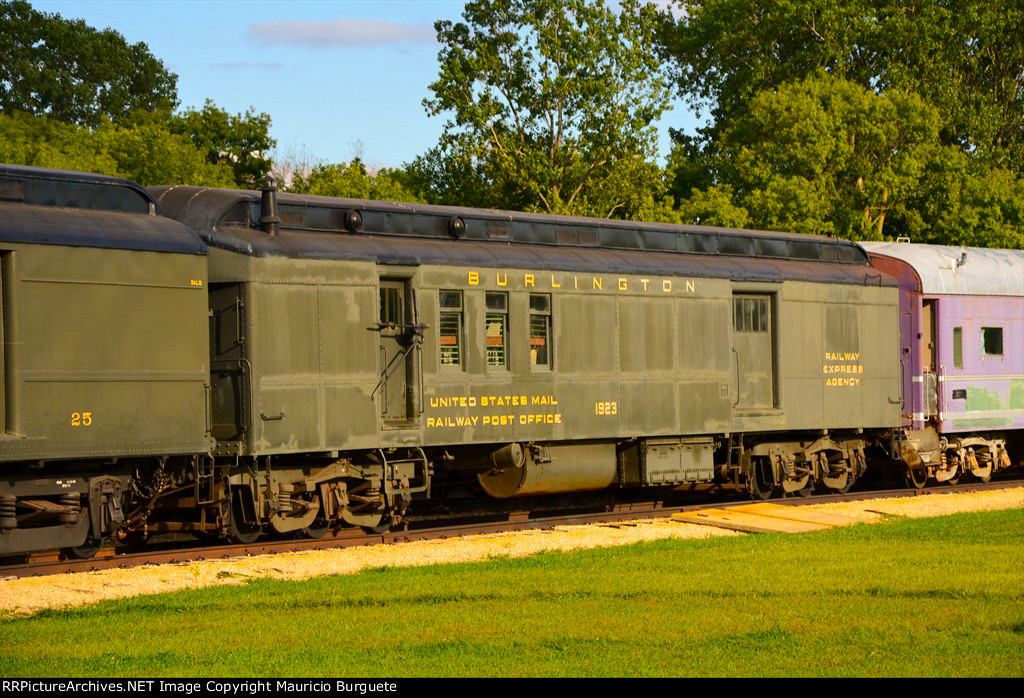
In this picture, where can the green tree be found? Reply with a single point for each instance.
(71, 72)
(241, 141)
(144, 151)
(552, 107)
(827, 156)
(964, 57)
(824, 155)
(353, 181)
(713, 206)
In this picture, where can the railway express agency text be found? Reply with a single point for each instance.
(219, 687)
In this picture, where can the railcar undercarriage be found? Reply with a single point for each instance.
(62, 505)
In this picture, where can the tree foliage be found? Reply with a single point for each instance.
(826, 156)
(71, 72)
(552, 104)
(145, 151)
(862, 118)
(241, 141)
(964, 57)
(352, 180)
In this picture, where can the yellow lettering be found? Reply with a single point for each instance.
(81, 419)
(598, 282)
(645, 282)
(553, 284)
(501, 279)
(623, 284)
(528, 280)
(666, 285)
(474, 278)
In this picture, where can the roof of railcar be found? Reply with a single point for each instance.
(80, 209)
(313, 227)
(971, 271)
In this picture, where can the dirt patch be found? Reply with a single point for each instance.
(26, 596)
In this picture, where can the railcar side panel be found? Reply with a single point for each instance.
(111, 353)
(306, 368)
(980, 356)
(836, 359)
(515, 355)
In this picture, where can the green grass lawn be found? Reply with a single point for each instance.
(925, 597)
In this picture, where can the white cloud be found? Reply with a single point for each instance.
(247, 66)
(341, 32)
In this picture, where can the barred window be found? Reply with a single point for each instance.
(390, 305)
(540, 330)
(750, 314)
(958, 347)
(497, 329)
(450, 328)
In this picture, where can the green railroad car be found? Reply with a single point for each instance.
(104, 362)
(363, 352)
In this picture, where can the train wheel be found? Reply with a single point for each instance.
(321, 524)
(383, 527)
(761, 481)
(243, 535)
(318, 529)
(86, 551)
(845, 486)
(807, 490)
(916, 478)
(238, 530)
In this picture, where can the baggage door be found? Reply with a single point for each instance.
(929, 376)
(399, 362)
(753, 360)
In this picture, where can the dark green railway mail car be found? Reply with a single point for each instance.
(363, 353)
(104, 360)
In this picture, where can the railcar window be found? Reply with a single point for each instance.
(958, 347)
(497, 329)
(540, 330)
(450, 328)
(992, 341)
(750, 314)
(390, 306)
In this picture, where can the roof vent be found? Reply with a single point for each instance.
(270, 222)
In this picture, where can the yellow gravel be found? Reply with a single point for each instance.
(25, 596)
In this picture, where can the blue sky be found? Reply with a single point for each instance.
(338, 77)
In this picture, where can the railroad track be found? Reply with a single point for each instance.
(43, 564)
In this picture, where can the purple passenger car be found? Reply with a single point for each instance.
(961, 354)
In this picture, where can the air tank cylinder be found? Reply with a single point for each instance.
(554, 469)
